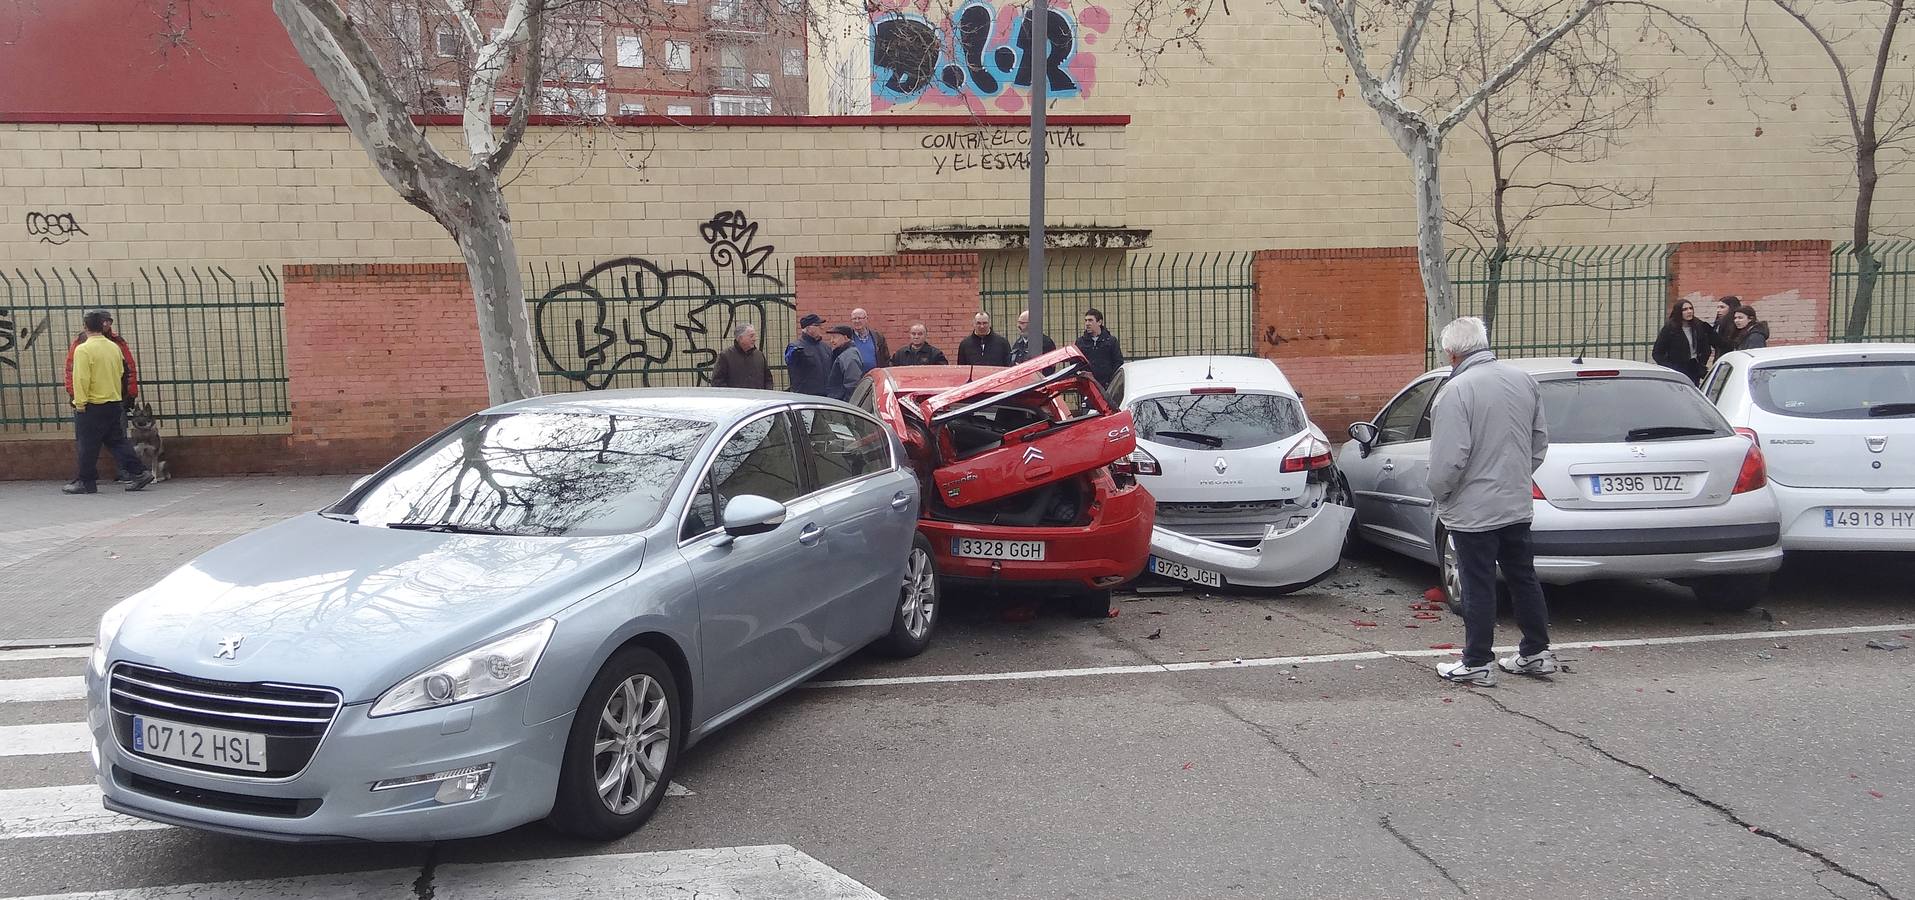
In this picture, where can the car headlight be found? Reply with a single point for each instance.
(480, 672)
(109, 629)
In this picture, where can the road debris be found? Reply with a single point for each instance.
(1886, 645)
(1154, 635)
(1360, 623)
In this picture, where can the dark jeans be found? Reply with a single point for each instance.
(1477, 555)
(104, 424)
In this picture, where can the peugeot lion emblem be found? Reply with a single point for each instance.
(228, 647)
(1032, 454)
(1222, 466)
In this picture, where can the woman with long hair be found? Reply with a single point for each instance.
(1685, 342)
(1750, 332)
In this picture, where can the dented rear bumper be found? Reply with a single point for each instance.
(1293, 558)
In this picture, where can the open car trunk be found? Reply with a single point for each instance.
(999, 439)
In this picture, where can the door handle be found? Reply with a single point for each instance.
(900, 500)
(810, 535)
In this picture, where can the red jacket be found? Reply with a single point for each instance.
(129, 385)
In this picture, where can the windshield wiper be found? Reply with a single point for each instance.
(1892, 409)
(1658, 432)
(450, 528)
(347, 518)
(1209, 440)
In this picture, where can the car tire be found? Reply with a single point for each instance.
(626, 693)
(915, 616)
(1730, 593)
(1092, 605)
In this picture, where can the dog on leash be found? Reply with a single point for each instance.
(146, 439)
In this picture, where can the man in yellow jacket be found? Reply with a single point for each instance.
(99, 417)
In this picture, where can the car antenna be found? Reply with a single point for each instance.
(1210, 368)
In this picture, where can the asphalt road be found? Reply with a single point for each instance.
(1730, 755)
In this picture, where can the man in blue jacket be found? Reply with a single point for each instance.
(1100, 347)
(807, 359)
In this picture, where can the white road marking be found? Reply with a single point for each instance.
(1353, 656)
(7, 656)
(61, 812)
(38, 690)
(36, 740)
(727, 873)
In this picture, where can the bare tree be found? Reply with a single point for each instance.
(1572, 105)
(1881, 119)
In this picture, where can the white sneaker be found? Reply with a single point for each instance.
(1457, 673)
(1543, 663)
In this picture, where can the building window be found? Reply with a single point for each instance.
(577, 70)
(501, 106)
(572, 101)
(631, 52)
(794, 61)
(631, 109)
(740, 106)
(677, 110)
(761, 80)
(731, 68)
(446, 43)
(725, 10)
(678, 56)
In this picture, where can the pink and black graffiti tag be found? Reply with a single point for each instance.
(976, 57)
(618, 317)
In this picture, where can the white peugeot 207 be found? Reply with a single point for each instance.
(1837, 425)
(1247, 493)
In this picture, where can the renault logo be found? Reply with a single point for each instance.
(228, 647)
(1032, 454)
(1222, 465)
(1877, 443)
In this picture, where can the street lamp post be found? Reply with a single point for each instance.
(1036, 57)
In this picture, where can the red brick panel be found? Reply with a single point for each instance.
(938, 289)
(378, 357)
(1786, 281)
(188, 456)
(1346, 326)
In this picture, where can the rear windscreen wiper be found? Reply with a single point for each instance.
(1658, 432)
(1892, 409)
(449, 528)
(1209, 440)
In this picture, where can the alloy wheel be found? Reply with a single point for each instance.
(920, 594)
(631, 744)
(1452, 574)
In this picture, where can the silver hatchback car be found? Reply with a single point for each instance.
(1643, 479)
(528, 616)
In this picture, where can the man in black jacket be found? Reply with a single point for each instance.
(983, 347)
(807, 359)
(1021, 348)
(919, 352)
(742, 365)
(847, 364)
(1100, 347)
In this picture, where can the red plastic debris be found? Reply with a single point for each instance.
(1457, 743)
(1427, 617)
(1112, 614)
(1442, 646)
(1412, 626)
(1433, 595)
(1599, 648)
(1876, 794)
(1362, 624)
(1449, 699)
(1189, 765)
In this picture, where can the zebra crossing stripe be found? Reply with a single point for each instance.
(726, 873)
(35, 740)
(61, 812)
(40, 690)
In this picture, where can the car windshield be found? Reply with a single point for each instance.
(1859, 390)
(535, 473)
(1616, 410)
(1218, 421)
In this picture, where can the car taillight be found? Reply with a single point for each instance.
(1536, 491)
(1755, 471)
(1308, 454)
(1213, 390)
(1142, 463)
(1599, 373)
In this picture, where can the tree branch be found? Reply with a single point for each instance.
(1835, 59)
(1406, 46)
(480, 140)
(532, 75)
(1895, 8)
(1509, 71)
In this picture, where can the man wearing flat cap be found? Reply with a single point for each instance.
(847, 364)
(807, 359)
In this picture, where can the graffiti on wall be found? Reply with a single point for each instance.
(982, 54)
(633, 316)
(53, 228)
(995, 149)
(8, 330)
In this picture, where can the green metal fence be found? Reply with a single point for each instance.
(634, 322)
(1891, 315)
(210, 348)
(1158, 304)
(1559, 301)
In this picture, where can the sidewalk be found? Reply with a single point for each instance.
(64, 560)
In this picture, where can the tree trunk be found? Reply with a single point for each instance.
(1867, 267)
(1425, 154)
(1493, 284)
(479, 221)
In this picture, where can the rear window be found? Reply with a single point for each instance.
(1860, 390)
(1218, 421)
(1617, 410)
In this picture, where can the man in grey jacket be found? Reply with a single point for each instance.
(1487, 436)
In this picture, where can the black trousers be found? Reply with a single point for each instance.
(1478, 553)
(104, 424)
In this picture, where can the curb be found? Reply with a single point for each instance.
(44, 643)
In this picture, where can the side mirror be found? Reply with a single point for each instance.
(1365, 435)
(749, 514)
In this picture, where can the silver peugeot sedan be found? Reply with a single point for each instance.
(1643, 480)
(529, 616)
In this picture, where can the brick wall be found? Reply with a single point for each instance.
(378, 358)
(938, 289)
(1346, 326)
(1786, 281)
